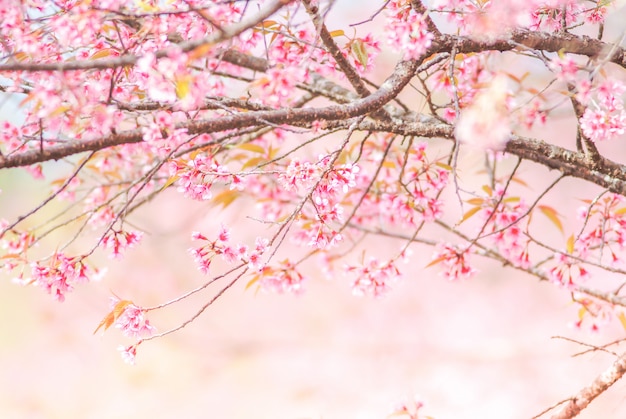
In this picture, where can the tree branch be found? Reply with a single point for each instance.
(346, 68)
(603, 172)
(568, 43)
(585, 396)
(401, 76)
(565, 42)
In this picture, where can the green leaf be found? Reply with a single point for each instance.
(359, 51)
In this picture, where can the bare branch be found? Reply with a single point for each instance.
(586, 395)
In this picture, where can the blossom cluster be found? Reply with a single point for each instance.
(605, 118)
(59, 274)
(281, 278)
(197, 176)
(119, 241)
(503, 224)
(407, 30)
(374, 277)
(131, 321)
(454, 260)
(490, 19)
(406, 201)
(203, 255)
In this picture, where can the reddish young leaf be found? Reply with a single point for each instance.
(113, 315)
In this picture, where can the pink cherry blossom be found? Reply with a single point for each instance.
(132, 322)
(455, 262)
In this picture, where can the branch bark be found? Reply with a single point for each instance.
(602, 172)
(568, 43)
(401, 76)
(585, 396)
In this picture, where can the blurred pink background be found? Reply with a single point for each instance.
(475, 349)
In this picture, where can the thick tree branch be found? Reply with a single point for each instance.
(603, 172)
(418, 6)
(581, 45)
(401, 76)
(566, 42)
(585, 396)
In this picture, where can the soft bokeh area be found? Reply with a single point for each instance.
(475, 349)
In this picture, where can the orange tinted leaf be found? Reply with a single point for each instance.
(622, 319)
(436, 261)
(60, 110)
(27, 99)
(342, 159)
(101, 54)
(475, 201)
(110, 318)
(170, 181)
(267, 24)
(114, 174)
(552, 216)
(255, 148)
(20, 56)
(199, 52)
(487, 190)
(511, 199)
(620, 211)
(106, 322)
(10, 256)
(524, 76)
(570, 244)
(336, 33)
(225, 198)
(253, 281)
(255, 161)
(469, 213)
(582, 312)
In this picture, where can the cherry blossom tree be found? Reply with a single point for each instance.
(325, 134)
